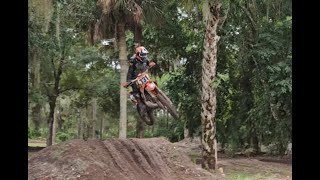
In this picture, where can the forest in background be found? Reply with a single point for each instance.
(74, 75)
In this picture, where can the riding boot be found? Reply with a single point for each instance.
(133, 98)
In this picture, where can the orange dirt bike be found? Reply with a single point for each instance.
(151, 97)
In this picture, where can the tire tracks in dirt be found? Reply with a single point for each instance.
(153, 158)
(114, 159)
(114, 156)
(140, 163)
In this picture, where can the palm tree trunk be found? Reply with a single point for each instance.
(138, 38)
(208, 92)
(138, 33)
(123, 78)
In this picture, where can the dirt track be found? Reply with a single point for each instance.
(136, 159)
(143, 159)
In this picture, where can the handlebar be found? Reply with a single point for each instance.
(126, 84)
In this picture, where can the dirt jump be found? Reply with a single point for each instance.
(132, 159)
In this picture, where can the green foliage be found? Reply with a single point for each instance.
(255, 101)
(183, 85)
(166, 127)
(219, 79)
(165, 42)
(253, 81)
(35, 96)
(111, 133)
(61, 136)
(187, 97)
(32, 133)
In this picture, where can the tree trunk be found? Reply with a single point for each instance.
(42, 11)
(52, 105)
(82, 124)
(87, 123)
(59, 119)
(123, 78)
(101, 127)
(55, 122)
(94, 117)
(247, 99)
(255, 143)
(208, 92)
(186, 133)
(138, 27)
(138, 38)
(167, 123)
(35, 81)
(139, 128)
(54, 93)
(36, 117)
(246, 82)
(138, 33)
(79, 123)
(216, 151)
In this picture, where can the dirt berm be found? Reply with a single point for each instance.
(116, 159)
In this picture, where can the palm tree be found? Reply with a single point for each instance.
(212, 20)
(148, 12)
(124, 14)
(209, 62)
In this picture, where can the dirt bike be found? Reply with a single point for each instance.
(151, 97)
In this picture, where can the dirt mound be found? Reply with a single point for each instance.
(132, 159)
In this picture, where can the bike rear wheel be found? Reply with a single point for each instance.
(145, 114)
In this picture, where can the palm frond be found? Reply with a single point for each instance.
(152, 9)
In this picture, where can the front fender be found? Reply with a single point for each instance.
(150, 86)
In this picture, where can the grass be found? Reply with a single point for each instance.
(36, 143)
(240, 176)
(247, 176)
(194, 157)
(237, 175)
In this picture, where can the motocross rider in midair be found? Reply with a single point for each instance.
(137, 63)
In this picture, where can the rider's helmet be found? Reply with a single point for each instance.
(141, 52)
